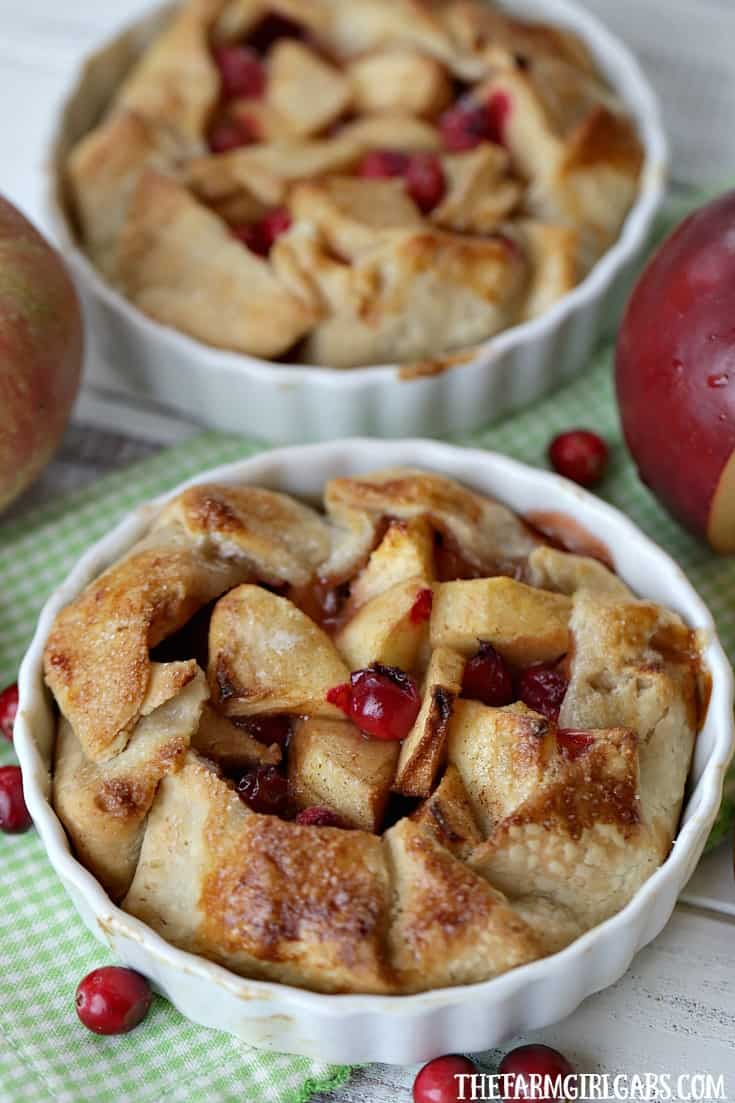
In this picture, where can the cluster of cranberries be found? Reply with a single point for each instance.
(487, 678)
(14, 816)
(243, 76)
(441, 1081)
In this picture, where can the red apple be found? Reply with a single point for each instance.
(675, 373)
(40, 351)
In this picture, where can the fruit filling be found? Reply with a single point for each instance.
(241, 70)
(542, 687)
(265, 790)
(382, 701)
(488, 679)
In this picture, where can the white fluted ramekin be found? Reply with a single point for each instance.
(286, 403)
(396, 1029)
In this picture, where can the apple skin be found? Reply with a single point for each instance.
(675, 373)
(41, 346)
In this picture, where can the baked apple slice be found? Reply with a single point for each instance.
(523, 624)
(424, 749)
(406, 551)
(448, 816)
(331, 763)
(265, 655)
(387, 629)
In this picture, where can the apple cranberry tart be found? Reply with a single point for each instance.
(308, 178)
(400, 744)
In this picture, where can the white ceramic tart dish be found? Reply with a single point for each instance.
(432, 393)
(379, 1026)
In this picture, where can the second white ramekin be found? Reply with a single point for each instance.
(285, 403)
(398, 1029)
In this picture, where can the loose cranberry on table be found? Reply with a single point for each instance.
(113, 1000)
(488, 679)
(14, 816)
(8, 710)
(542, 688)
(579, 455)
(437, 1082)
(382, 701)
(532, 1061)
(265, 790)
(319, 816)
(241, 70)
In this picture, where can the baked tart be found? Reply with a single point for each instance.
(399, 743)
(307, 179)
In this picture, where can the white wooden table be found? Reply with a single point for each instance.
(674, 1011)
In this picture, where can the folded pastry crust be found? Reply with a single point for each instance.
(486, 838)
(229, 118)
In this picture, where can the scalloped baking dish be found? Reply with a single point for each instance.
(286, 403)
(396, 1029)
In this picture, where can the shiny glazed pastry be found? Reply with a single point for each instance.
(396, 745)
(309, 178)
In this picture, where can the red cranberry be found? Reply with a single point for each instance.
(421, 608)
(487, 678)
(381, 164)
(8, 710)
(341, 696)
(573, 743)
(542, 688)
(425, 181)
(382, 701)
(265, 790)
(268, 729)
(464, 126)
(498, 110)
(437, 1082)
(113, 1000)
(241, 70)
(14, 816)
(579, 455)
(319, 816)
(260, 236)
(229, 134)
(521, 1064)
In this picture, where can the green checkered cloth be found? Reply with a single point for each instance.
(44, 949)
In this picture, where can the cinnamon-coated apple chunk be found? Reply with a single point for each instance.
(331, 763)
(424, 749)
(524, 624)
(384, 631)
(447, 815)
(406, 551)
(265, 655)
(500, 754)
